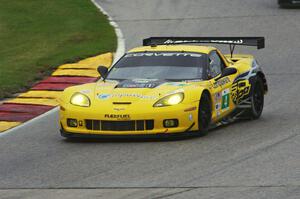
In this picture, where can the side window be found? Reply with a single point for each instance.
(215, 64)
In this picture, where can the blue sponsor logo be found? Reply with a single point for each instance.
(103, 96)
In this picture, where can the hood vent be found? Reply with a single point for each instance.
(122, 103)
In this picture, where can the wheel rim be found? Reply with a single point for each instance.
(258, 99)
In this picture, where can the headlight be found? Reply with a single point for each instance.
(80, 99)
(170, 100)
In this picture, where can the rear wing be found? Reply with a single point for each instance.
(259, 42)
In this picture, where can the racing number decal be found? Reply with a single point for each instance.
(225, 99)
(222, 101)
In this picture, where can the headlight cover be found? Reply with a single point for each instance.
(170, 100)
(79, 99)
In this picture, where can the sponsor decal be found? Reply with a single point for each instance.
(221, 82)
(121, 95)
(240, 91)
(218, 96)
(115, 116)
(240, 41)
(164, 54)
(144, 80)
(134, 85)
(119, 109)
(225, 99)
(218, 106)
(139, 83)
(170, 41)
(104, 96)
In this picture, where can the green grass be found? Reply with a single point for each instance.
(36, 36)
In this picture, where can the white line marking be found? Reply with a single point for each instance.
(120, 51)
(121, 40)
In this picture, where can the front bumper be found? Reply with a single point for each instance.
(185, 134)
(186, 116)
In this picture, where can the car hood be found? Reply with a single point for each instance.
(130, 91)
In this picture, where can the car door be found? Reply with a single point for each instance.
(221, 87)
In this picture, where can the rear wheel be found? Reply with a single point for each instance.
(257, 100)
(204, 114)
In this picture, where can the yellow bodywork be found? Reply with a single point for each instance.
(108, 103)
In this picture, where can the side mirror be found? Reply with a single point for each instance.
(226, 72)
(102, 70)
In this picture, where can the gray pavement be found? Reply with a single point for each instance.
(255, 159)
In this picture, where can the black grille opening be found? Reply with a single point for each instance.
(140, 125)
(96, 124)
(149, 124)
(132, 125)
(89, 124)
(118, 125)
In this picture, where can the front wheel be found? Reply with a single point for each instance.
(204, 114)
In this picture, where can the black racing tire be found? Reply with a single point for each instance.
(256, 99)
(204, 114)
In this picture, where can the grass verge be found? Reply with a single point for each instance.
(37, 36)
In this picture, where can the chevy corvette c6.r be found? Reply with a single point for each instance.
(165, 89)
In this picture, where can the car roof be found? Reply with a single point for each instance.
(175, 48)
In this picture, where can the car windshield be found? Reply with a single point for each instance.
(159, 65)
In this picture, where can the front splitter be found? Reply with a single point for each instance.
(184, 134)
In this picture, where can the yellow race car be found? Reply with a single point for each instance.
(170, 86)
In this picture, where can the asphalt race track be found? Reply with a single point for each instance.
(255, 159)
